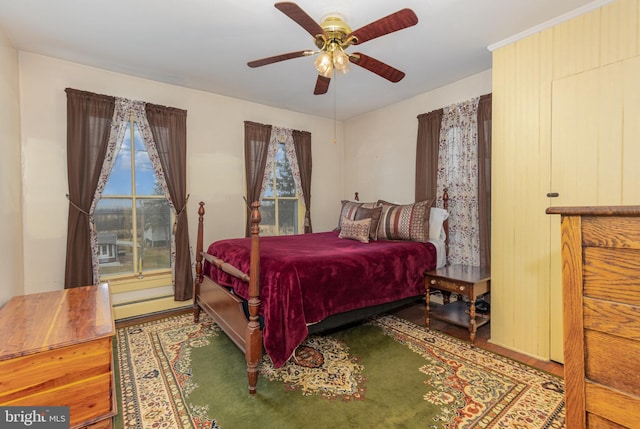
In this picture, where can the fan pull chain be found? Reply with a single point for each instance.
(335, 83)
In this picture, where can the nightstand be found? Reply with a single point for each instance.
(464, 280)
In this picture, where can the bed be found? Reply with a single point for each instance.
(273, 292)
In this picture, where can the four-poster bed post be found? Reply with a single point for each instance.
(229, 313)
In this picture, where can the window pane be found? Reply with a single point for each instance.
(268, 217)
(285, 184)
(114, 224)
(268, 191)
(288, 217)
(154, 234)
(119, 182)
(146, 183)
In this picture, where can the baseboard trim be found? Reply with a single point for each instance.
(513, 349)
(148, 307)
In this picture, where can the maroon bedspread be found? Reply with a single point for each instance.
(305, 278)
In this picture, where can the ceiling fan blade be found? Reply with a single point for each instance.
(376, 66)
(396, 21)
(276, 58)
(296, 13)
(322, 85)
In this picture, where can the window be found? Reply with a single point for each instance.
(278, 175)
(133, 217)
(281, 207)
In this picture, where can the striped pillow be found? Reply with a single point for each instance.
(405, 222)
(374, 214)
(349, 209)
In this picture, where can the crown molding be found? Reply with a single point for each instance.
(548, 24)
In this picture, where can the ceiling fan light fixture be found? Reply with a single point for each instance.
(333, 36)
(324, 64)
(340, 61)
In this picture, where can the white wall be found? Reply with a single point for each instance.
(215, 157)
(380, 149)
(10, 174)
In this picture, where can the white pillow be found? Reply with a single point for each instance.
(437, 216)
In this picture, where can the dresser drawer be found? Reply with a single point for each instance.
(611, 231)
(611, 274)
(79, 376)
(447, 285)
(88, 400)
(31, 374)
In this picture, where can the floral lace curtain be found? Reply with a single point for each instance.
(282, 135)
(458, 173)
(118, 128)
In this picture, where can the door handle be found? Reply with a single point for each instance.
(553, 195)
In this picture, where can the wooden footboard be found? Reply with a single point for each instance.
(225, 308)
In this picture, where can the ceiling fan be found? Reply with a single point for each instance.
(332, 36)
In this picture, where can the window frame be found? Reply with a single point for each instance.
(275, 198)
(156, 275)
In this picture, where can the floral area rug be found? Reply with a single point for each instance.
(387, 372)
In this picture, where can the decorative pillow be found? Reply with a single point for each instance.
(355, 229)
(349, 209)
(371, 205)
(374, 214)
(387, 203)
(437, 217)
(405, 222)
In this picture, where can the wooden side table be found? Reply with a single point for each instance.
(56, 348)
(462, 280)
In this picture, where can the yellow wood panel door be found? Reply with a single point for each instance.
(595, 147)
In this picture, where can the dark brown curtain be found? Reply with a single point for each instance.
(256, 146)
(484, 178)
(427, 155)
(302, 144)
(89, 118)
(169, 128)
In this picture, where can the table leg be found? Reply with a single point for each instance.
(472, 321)
(446, 297)
(427, 307)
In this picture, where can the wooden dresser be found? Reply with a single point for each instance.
(56, 349)
(601, 301)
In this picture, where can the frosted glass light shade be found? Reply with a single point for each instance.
(340, 61)
(324, 64)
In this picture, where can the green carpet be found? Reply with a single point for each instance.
(387, 373)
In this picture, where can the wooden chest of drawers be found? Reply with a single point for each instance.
(601, 300)
(56, 349)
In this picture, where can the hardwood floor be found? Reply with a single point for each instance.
(415, 314)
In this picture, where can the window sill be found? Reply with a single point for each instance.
(133, 283)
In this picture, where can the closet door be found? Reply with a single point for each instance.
(595, 148)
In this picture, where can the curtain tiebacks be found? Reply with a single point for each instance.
(246, 202)
(184, 207)
(77, 207)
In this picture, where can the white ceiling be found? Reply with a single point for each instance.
(205, 44)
